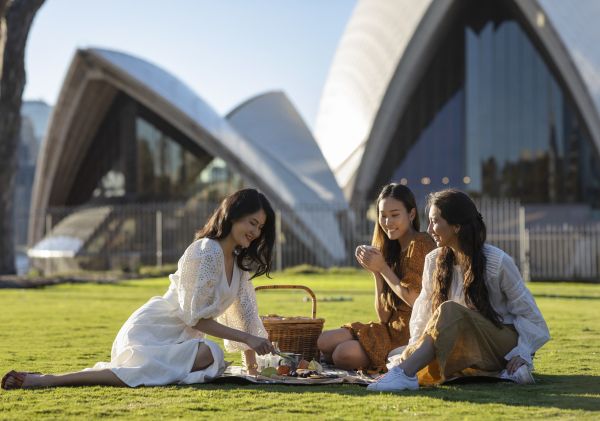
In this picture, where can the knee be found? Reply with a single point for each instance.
(204, 358)
(326, 342)
(348, 356)
(450, 307)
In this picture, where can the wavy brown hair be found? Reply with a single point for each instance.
(233, 207)
(391, 248)
(458, 209)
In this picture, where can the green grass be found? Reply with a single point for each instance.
(69, 327)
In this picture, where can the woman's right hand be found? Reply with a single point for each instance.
(370, 258)
(260, 345)
(359, 254)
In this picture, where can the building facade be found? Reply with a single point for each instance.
(498, 98)
(125, 133)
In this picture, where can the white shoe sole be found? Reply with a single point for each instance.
(373, 388)
(521, 376)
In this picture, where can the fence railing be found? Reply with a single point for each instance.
(565, 252)
(154, 234)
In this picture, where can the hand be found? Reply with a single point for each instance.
(260, 345)
(370, 258)
(514, 364)
(359, 259)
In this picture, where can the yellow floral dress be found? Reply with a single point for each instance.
(378, 339)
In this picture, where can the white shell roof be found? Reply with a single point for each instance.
(273, 125)
(380, 33)
(577, 25)
(271, 122)
(375, 39)
(268, 170)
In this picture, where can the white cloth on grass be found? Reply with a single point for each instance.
(157, 345)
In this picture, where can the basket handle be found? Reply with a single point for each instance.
(307, 289)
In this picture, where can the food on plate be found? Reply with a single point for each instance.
(283, 370)
(307, 373)
(268, 372)
(315, 366)
(303, 364)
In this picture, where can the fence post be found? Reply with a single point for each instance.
(48, 222)
(523, 246)
(278, 242)
(159, 245)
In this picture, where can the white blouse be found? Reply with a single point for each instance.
(202, 292)
(508, 296)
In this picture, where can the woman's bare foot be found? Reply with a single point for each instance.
(21, 380)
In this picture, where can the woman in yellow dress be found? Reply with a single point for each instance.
(395, 260)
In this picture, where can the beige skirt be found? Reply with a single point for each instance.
(466, 344)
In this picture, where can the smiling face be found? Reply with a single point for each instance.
(248, 228)
(393, 218)
(444, 234)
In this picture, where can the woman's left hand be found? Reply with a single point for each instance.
(514, 364)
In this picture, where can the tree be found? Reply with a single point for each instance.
(16, 17)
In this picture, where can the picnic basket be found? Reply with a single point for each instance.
(295, 334)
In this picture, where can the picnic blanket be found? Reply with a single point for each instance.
(238, 375)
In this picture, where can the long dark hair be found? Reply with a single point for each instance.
(457, 208)
(233, 207)
(391, 248)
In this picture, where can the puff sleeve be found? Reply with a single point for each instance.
(242, 315)
(196, 281)
(528, 320)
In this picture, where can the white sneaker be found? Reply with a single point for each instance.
(394, 381)
(521, 376)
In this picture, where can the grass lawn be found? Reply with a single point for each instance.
(69, 327)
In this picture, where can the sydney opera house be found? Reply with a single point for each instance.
(498, 98)
(126, 132)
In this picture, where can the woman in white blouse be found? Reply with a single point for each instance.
(474, 315)
(163, 342)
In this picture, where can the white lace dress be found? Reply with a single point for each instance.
(157, 345)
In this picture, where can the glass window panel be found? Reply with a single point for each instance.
(500, 117)
(168, 171)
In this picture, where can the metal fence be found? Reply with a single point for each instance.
(565, 252)
(127, 236)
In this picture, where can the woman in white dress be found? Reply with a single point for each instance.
(163, 342)
(474, 315)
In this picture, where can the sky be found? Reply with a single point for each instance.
(226, 50)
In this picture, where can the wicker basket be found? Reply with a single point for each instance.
(295, 334)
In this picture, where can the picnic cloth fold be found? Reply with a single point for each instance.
(237, 375)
